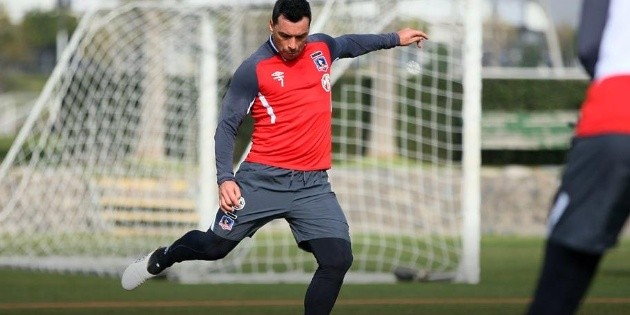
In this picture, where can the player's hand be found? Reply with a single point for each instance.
(409, 36)
(229, 193)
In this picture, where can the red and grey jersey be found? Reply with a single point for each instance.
(603, 48)
(290, 102)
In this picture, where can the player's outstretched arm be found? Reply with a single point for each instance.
(409, 36)
(354, 45)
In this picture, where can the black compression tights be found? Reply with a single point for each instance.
(334, 258)
(564, 280)
(197, 245)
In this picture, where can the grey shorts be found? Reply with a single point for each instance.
(304, 199)
(593, 200)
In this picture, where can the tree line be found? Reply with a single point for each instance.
(29, 47)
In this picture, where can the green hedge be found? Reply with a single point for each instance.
(529, 95)
(520, 95)
(23, 82)
(5, 145)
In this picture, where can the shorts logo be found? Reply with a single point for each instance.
(320, 61)
(226, 223)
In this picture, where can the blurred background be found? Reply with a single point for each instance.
(523, 40)
(532, 88)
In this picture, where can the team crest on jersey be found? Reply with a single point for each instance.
(320, 61)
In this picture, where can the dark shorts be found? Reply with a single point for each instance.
(593, 200)
(304, 199)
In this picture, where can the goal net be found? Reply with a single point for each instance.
(116, 157)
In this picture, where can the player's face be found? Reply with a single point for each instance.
(289, 37)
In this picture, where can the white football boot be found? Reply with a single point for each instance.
(137, 273)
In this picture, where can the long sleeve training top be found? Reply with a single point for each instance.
(290, 102)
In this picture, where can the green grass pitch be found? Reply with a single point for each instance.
(509, 268)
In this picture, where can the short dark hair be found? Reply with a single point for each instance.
(292, 10)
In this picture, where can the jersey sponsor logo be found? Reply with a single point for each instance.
(326, 82)
(320, 61)
(279, 76)
(226, 223)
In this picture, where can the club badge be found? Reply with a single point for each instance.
(320, 61)
(226, 223)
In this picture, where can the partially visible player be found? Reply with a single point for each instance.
(593, 200)
(285, 85)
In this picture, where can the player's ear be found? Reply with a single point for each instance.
(271, 26)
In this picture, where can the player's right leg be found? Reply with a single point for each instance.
(194, 245)
(262, 187)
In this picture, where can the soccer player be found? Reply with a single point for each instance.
(593, 200)
(286, 86)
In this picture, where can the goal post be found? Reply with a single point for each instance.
(116, 158)
(469, 271)
(207, 198)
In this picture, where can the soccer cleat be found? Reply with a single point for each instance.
(138, 272)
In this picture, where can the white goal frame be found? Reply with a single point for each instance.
(22, 169)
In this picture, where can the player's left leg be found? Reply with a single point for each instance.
(334, 258)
